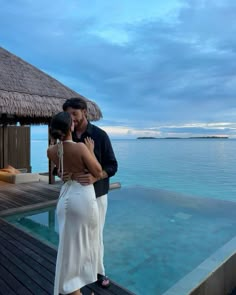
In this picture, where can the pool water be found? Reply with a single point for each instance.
(152, 237)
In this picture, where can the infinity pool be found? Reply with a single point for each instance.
(152, 237)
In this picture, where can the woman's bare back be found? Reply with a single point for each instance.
(76, 158)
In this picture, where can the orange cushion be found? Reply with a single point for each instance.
(10, 169)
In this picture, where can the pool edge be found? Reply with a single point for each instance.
(214, 276)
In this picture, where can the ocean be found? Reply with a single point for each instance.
(174, 196)
(196, 167)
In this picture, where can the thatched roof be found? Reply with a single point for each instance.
(30, 96)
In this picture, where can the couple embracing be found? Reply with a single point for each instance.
(84, 157)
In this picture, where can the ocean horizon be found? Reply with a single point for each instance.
(196, 167)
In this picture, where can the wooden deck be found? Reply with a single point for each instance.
(27, 265)
(16, 198)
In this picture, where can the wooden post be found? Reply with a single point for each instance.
(51, 177)
(1, 146)
(5, 145)
(51, 219)
(17, 146)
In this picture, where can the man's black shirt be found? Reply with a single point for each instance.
(104, 154)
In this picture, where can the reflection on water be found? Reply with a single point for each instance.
(152, 236)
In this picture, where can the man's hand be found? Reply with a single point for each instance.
(84, 178)
(65, 177)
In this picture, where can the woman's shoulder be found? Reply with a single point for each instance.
(51, 149)
(78, 146)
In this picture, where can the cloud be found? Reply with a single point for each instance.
(183, 131)
(145, 65)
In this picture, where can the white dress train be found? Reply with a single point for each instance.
(77, 255)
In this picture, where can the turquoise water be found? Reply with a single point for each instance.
(198, 167)
(152, 237)
(171, 213)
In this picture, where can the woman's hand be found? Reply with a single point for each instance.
(89, 142)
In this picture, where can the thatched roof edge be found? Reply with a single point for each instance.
(30, 94)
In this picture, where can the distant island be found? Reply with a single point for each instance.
(213, 137)
(192, 137)
(147, 137)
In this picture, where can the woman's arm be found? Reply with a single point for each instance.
(50, 154)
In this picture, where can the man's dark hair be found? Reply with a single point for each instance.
(75, 103)
(60, 125)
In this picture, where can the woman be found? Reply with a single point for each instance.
(77, 210)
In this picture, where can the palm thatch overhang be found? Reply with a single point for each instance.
(30, 96)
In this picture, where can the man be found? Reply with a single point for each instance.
(103, 150)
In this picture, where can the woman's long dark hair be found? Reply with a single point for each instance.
(60, 125)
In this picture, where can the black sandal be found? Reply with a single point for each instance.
(103, 281)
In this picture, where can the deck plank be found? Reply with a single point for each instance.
(28, 257)
(5, 289)
(27, 265)
(32, 244)
(11, 281)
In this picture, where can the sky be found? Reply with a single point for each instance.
(155, 68)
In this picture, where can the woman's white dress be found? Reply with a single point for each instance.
(77, 214)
